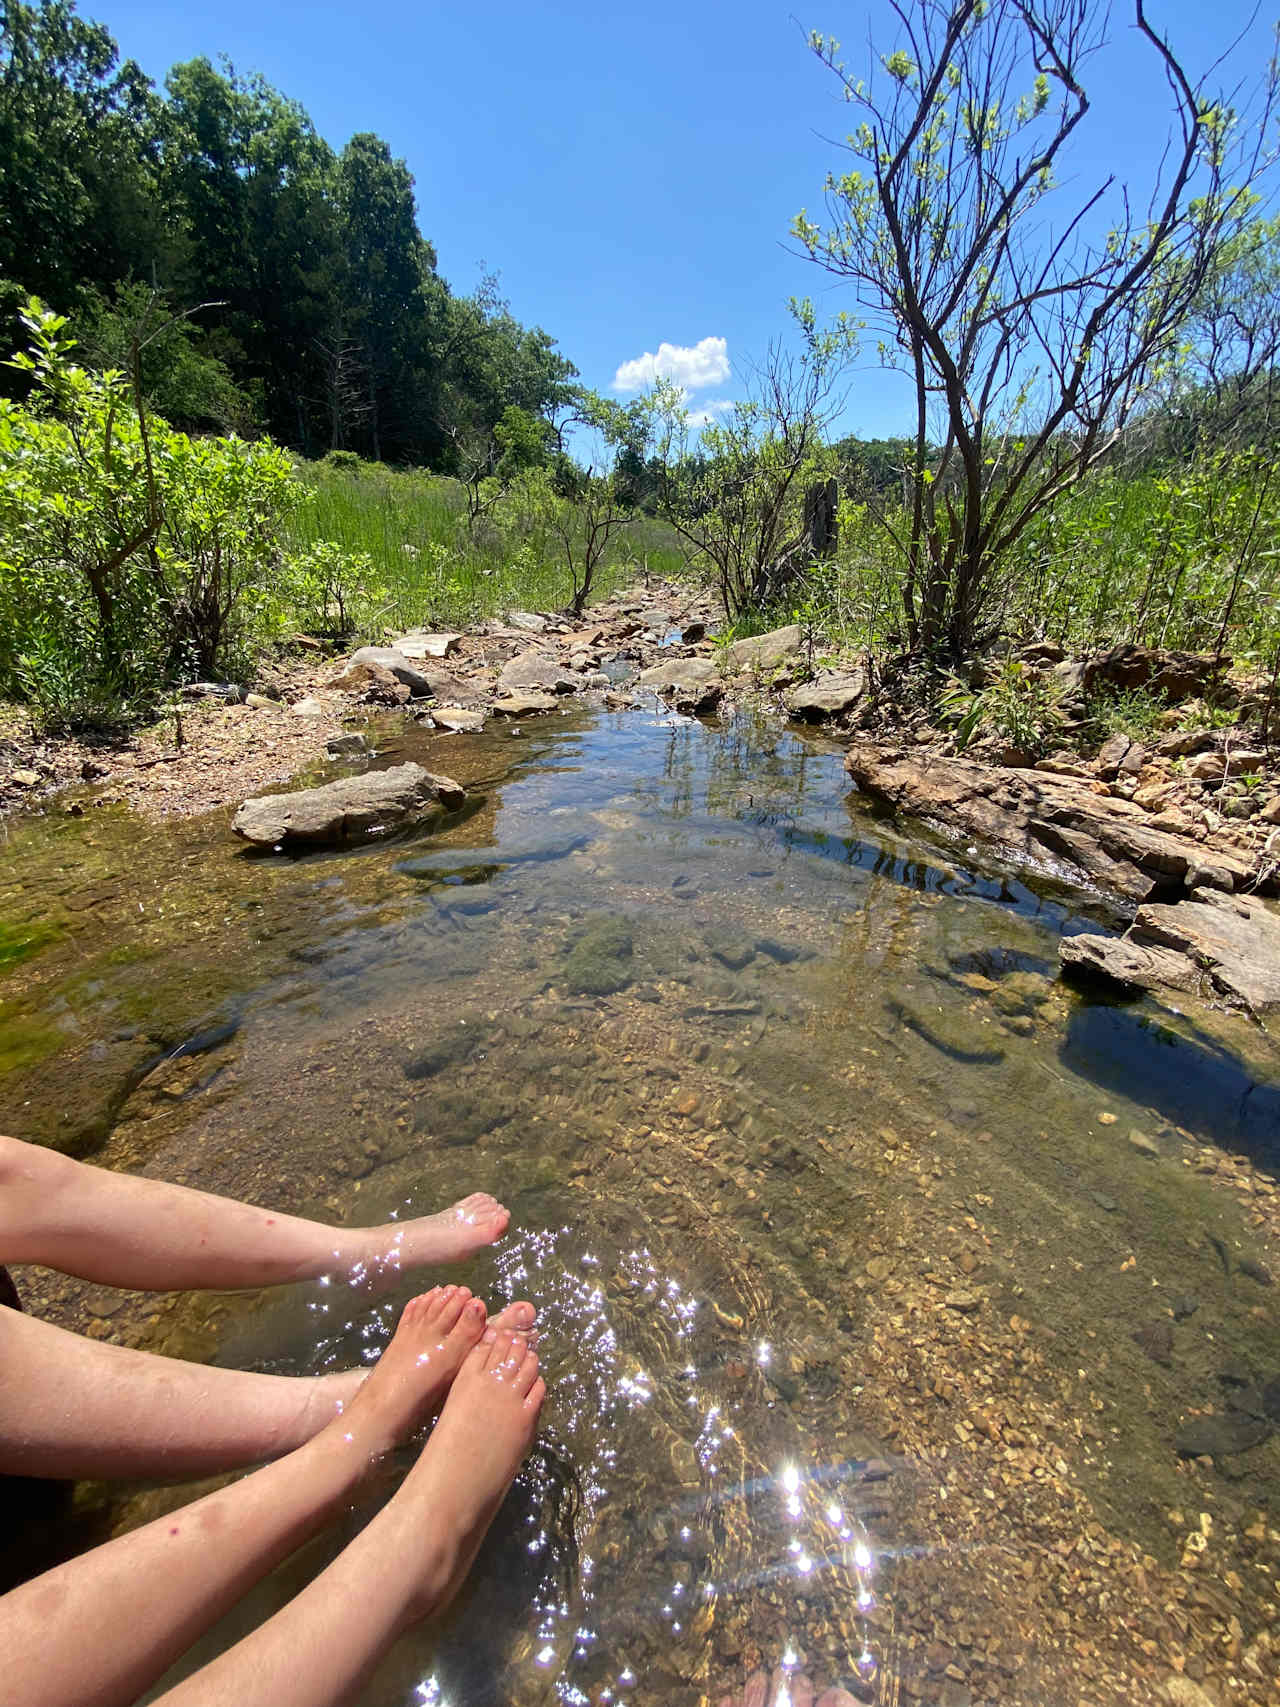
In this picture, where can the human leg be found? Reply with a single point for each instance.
(101, 1629)
(74, 1407)
(123, 1230)
(408, 1562)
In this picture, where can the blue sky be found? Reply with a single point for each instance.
(630, 171)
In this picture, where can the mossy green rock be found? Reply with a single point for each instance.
(600, 960)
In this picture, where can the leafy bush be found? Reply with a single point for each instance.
(333, 592)
(131, 555)
(1136, 712)
(1020, 706)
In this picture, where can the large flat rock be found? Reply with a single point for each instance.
(763, 653)
(349, 809)
(692, 683)
(831, 694)
(1221, 945)
(1070, 829)
(537, 671)
(392, 660)
(418, 645)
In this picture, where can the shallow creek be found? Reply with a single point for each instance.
(840, 1212)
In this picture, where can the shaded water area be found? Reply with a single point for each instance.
(876, 1268)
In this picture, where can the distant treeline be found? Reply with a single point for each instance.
(263, 281)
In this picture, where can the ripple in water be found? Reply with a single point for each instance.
(664, 1504)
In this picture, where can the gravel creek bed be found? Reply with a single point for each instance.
(878, 1270)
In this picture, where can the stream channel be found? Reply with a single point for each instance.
(840, 1211)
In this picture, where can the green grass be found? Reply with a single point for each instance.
(1158, 557)
(431, 566)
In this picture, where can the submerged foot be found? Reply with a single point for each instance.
(328, 1396)
(786, 1688)
(447, 1236)
(435, 1333)
(485, 1429)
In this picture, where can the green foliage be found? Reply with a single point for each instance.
(325, 321)
(1020, 706)
(333, 592)
(1027, 340)
(130, 554)
(735, 491)
(433, 567)
(1136, 712)
(182, 379)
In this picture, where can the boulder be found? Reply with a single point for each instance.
(1217, 767)
(353, 807)
(691, 683)
(1112, 754)
(762, 654)
(390, 659)
(537, 670)
(1173, 676)
(1222, 944)
(372, 684)
(308, 707)
(419, 646)
(1130, 965)
(527, 620)
(347, 746)
(459, 719)
(831, 694)
(600, 960)
(1073, 830)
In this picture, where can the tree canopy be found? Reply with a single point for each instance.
(323, 319)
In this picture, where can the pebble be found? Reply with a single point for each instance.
(965, 1302)
(1142, 1144)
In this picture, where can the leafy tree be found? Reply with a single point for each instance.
(1030, 340)
(79, 143)
(180, 376)
(387, 264)
(330, 321)
(253, 187)
(734, 494)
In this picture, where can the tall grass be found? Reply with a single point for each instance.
(431, 565)
(1179, 557)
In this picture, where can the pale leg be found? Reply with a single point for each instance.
(75, 1407)
(122, 1230)
(101, 1629)
(407, 1563)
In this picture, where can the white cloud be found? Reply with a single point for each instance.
(693, 366)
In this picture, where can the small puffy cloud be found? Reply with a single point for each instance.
(693, 366)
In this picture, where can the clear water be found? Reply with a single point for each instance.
(838, 1263)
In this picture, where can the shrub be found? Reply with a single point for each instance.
(131, 555)
(1019, 705)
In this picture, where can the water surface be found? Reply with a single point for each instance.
(823, 1185)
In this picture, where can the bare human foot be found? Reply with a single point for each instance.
(435, 1333)
(786, 1688)
(327, 1396)
(447, 1236)
(454, 1490)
